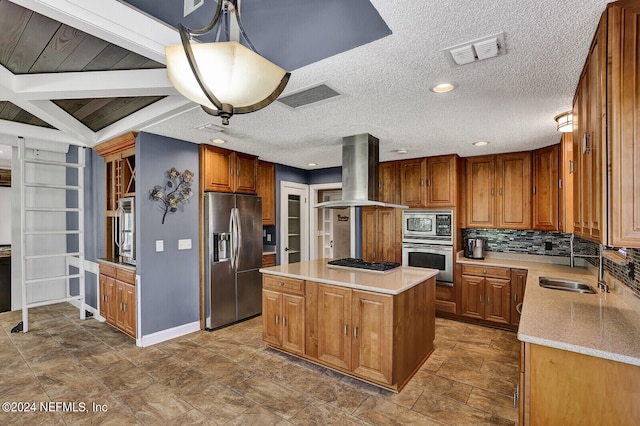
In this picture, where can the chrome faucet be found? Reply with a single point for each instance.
(602, 285)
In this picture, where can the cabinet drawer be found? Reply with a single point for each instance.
(489, 271)
(126, 275)
(108, 270)
(289, 285)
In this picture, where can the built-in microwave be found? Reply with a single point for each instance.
(432, 226)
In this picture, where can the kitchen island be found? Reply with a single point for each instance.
(377, 327)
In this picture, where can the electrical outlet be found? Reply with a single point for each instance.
(159, 246)
(548, 245)
(184, 244)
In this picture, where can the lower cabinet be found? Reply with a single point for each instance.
(486, 293)
(377, 337)
(118, 297)
(518, 284)
(559, 387)
(283, 312)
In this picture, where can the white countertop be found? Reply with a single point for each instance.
(394, 282)
(601, 325)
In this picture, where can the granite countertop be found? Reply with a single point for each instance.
(394, 282)
(117, 262)
(600, 325)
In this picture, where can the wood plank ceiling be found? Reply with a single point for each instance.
(31, 43)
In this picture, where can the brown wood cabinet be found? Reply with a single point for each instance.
(546, 180)
(413, 176)
(381, 234)
(118, 297)
(120, 181)
(562, 387)
(565, 192)
(266, 189)
(486, 293)
(443, 181)
(268, 260)
(228, 171)
(518, 285)
(377, 337)
(389, 182)
(283, 312)
(499, 191)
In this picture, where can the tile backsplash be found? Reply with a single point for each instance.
(533, 242)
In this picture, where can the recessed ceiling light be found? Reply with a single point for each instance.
(218, 141)
(401, 151)
(312, 164)
(442, 88)
(481, 143)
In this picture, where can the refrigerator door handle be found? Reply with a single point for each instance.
(232, 256)
(238, 235)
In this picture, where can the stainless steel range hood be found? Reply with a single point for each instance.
(359, 174)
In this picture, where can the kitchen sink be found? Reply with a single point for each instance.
(566, 285)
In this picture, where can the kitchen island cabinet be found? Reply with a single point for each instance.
(376, 327)
(117, 295)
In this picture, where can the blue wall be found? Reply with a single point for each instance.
(169, 280)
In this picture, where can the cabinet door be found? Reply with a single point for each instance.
(293, 323)
(480, 173)
(624, 128)
(441, 181)
(518, 284)
(372, 351)
(389, 241)
(472, 295)
(514, 190)
(389, 183)
(266, 189)
(246, 170)
(498, 300)
(128, 295)
(218, 169)
(271, 317)
(412, 182)
(565, 193)
(369, 233)
(334, 325)
(578, 172)
(108, 303)
(545, 188)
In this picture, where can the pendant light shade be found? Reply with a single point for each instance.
(236, 75)
(224, 77)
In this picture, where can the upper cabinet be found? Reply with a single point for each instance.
(443, 181)
(228, 171)
(499, 191)
(565, 190)
(266, 189)
(389, 182)
(413, 174)
(605, 146)
(545, 188)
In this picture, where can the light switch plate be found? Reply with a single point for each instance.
(268, 237)
(159, 245)
(184, 244)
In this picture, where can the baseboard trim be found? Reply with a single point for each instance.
(171, 333)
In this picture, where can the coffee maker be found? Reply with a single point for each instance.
(474, 248)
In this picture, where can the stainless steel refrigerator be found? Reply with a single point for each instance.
(233, 256)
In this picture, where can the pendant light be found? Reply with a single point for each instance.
(224, 77)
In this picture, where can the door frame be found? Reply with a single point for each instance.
(313, 223)
(302, 190)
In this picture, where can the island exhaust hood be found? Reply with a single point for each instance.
(359, 174)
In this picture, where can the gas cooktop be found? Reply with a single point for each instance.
(350, 262)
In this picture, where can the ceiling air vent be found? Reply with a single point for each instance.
(309, 96)
(477, 50)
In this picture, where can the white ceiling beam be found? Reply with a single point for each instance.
(43, 109)
(10, 131)
(94, 84)
(159, 111)
(111, 21)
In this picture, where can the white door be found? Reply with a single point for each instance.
(294, 222)
(334, 233)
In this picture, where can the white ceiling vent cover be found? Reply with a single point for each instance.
(477, 50)
(308, 96)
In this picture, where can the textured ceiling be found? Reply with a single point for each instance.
(509, 100)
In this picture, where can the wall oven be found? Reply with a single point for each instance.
(427, 242)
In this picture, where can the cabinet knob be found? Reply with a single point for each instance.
(280, 283)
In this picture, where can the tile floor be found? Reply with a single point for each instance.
(230, 377)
